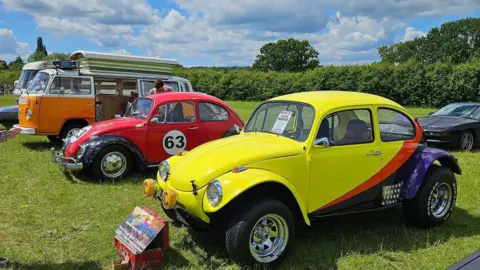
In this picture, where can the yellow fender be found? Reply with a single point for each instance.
(234, 184)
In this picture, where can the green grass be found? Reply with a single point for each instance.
(54, 220)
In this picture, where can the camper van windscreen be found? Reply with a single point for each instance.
(25, 77)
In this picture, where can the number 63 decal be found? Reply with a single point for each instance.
(174, 141)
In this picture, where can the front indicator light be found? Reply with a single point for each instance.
(81, 151)
(149, 187)
(214, 193)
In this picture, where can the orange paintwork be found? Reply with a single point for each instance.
(49, 113)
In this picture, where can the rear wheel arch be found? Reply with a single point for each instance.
(266, 190)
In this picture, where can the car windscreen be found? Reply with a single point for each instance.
(38, 83)
(140, 108)
(288, 119)
(25, 77)
(460, 110)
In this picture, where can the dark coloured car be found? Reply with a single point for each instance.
(456, 125)
(9, 115)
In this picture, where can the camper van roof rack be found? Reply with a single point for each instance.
(99, 62)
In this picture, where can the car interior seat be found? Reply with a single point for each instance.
(177, 113)
(356, 132)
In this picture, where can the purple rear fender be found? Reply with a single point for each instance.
(425, 157)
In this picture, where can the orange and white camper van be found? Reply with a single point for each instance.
(88, 88)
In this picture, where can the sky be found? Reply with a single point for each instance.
(221, 32)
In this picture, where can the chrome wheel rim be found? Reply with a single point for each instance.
(268, 238)
(113, 164)
(466, 142)
(441, 200)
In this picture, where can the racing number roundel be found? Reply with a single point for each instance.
(174, 141)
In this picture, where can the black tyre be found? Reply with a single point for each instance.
(262, 235)
(435, 200)
(466, 141)
(54, 139)
(113, 162)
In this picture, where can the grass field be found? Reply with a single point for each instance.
(55, 220)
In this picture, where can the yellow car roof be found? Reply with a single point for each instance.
(330, 99)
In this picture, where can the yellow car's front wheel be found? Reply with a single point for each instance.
(262, 235)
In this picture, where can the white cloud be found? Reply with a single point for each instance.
(229, 32)
(98, 11)
(411, 33)
(10, 47)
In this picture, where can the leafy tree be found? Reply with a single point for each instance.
(3, 65)
(287, 55)
(453, 42)
(57, 56)
(17, 64)
(40, 52)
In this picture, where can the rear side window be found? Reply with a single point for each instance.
(395, 126)
(212, 112)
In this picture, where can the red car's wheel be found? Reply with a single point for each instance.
(113, 162)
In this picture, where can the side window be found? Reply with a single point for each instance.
(212, 112)
(186, 87)
(180, 112)
(395, 126)
(161, 114)
(106, 87)
(71, 86)
(347, 127)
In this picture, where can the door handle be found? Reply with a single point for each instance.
(376, 153)
(193, 128)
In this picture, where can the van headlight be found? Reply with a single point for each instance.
(164, 170)
(214, 193)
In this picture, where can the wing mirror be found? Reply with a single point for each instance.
(322, 142)
(237, 128)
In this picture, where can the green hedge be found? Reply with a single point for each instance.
(410, 84)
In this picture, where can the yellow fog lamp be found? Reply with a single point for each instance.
(169, 199)
(149, 187)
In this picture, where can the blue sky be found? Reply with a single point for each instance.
(220, 32)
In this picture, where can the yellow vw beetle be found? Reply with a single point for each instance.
(303, 156)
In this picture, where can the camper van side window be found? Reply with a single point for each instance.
(70, 86)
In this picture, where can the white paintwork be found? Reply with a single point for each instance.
(77, 55)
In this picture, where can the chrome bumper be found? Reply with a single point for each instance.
(67, 163)
(23, 130)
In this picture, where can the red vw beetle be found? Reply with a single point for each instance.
(153, 128)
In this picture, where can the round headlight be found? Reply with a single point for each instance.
(164, 170)
(214, 193)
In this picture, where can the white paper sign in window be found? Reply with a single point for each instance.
(282, 121)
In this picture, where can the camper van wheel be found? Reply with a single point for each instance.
(69, 126)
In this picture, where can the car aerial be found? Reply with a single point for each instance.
(153, 128)
(9, 115)
(304, 156)
(456, 125)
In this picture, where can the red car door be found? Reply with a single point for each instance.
(173, 128)
(215, 120)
